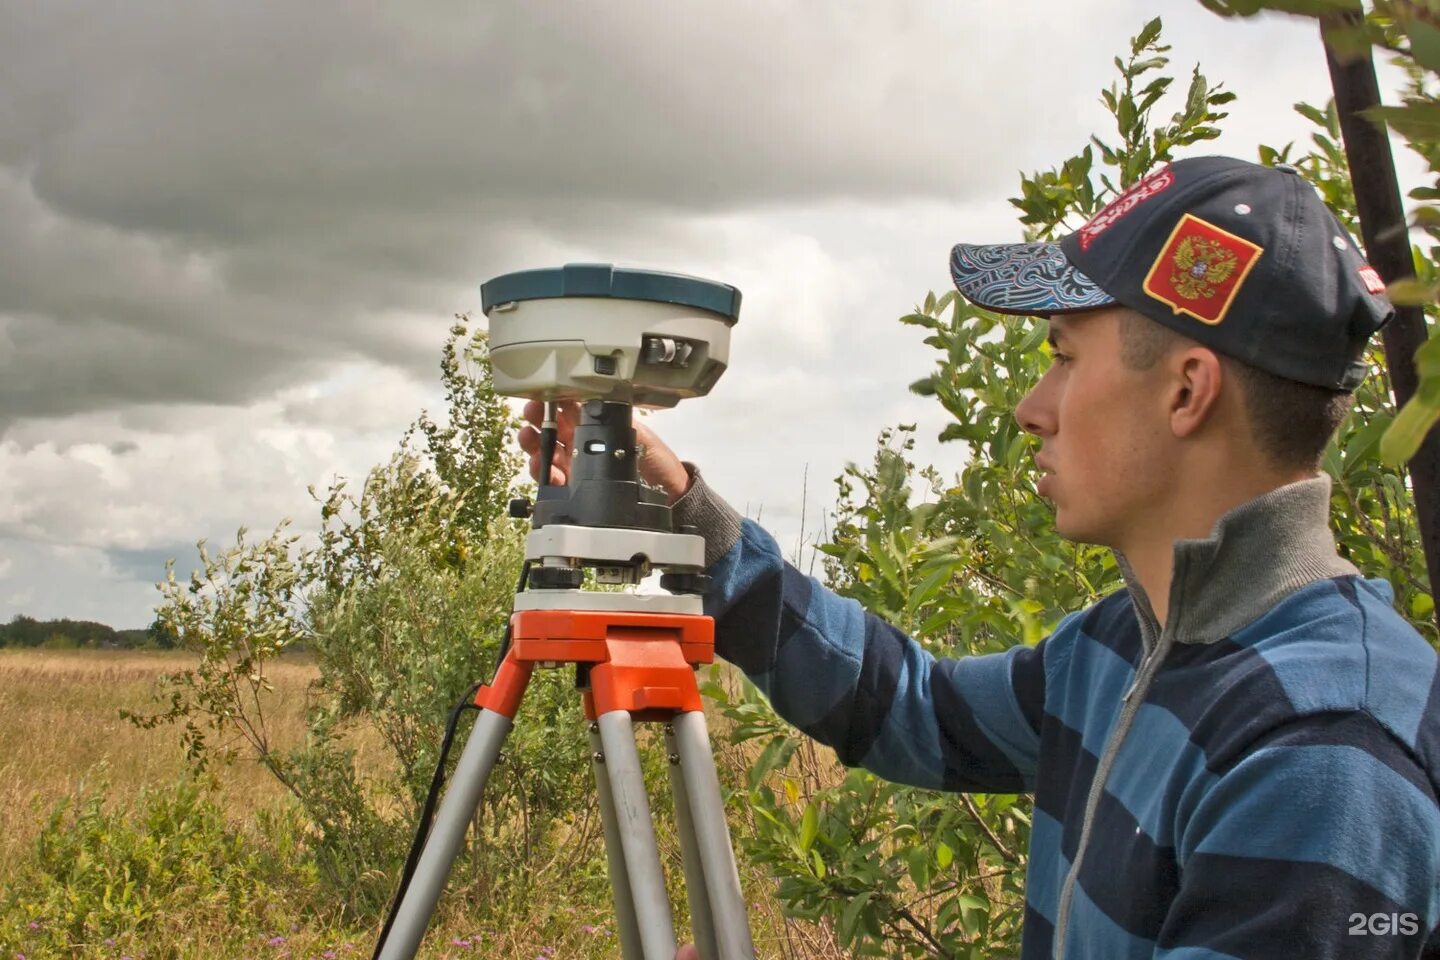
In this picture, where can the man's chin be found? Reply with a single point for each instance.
(1070, 528)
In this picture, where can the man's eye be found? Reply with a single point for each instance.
(1060, 358)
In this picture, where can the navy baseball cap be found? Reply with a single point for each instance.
(1243, 258)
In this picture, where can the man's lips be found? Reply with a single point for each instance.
(1046, 473)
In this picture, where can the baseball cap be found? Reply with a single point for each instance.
(1243, 258)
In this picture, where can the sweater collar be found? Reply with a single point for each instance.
(1256, 554)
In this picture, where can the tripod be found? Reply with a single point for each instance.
(635, 658)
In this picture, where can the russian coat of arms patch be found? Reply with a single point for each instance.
(1200, 269)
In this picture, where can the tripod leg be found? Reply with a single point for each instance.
(637, 835)
(625, 920)
(702, 924)
(446, 835)
(707, 813)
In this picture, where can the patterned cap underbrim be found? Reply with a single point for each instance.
(1030, 279)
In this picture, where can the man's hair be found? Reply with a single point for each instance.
(1292, 421)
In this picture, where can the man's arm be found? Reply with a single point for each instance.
(839, 674)
(1322, 842)
(854, 682)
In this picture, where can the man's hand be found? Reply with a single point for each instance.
(659, 467)
(688, 952)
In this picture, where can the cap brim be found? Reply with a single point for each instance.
(1029, 279)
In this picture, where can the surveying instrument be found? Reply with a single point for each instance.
(610, 339)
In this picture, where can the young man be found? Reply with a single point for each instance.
(1237, 754)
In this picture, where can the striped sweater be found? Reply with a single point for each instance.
(1258, 779)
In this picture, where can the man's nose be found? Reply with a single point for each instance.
(1030, 413)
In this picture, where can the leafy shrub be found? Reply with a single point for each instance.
(402, 604)
(60, 641)
(106, 879)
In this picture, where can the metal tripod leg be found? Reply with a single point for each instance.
(712, 836)
(625, 921)
(637, 836)
(702, 924)
(446, 835)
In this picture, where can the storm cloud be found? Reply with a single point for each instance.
(232, 235)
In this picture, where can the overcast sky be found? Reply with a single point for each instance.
(232, 235)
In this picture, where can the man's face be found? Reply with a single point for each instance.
(1103, 430)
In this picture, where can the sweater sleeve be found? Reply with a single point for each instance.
(854, 682)
(1322, 842)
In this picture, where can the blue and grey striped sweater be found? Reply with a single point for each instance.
(1257, 779)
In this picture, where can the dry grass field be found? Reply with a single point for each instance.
(60, 725)
(61, 731)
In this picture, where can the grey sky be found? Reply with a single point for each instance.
(232, 235)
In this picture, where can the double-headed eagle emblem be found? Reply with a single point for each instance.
(1201, 264)
(1200, 269)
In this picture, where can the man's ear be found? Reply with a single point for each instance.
(1194, 396)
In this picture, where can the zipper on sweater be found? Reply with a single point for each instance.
(1149, 665)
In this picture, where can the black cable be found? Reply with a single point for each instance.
(437, 782)
(427, 814)
(519, 588)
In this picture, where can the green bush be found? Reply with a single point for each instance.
(60, 641)
(403, 604)
(109, 879)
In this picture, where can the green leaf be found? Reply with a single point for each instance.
(1362, 441)
(1313, 114)
(776, 753)
(970, 906)
(1424, 42)
(818, 862)
(809, 826)
(1409, 291)
(1416, 120)
(1347, 41)
(1411, 425)
(1147, 35)
(924, 387)
(944, 856)
(850, 918)
(917, 863)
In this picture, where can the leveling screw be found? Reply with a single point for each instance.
(598, 757)
(674, 759)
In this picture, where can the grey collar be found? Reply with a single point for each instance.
(1257, 553)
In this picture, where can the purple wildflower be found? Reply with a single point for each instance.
(587, 928)
(34, 924)
(276, 941)
(459, 943)
(109, 941)
(328, 955)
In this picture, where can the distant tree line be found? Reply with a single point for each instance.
(23, 631)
